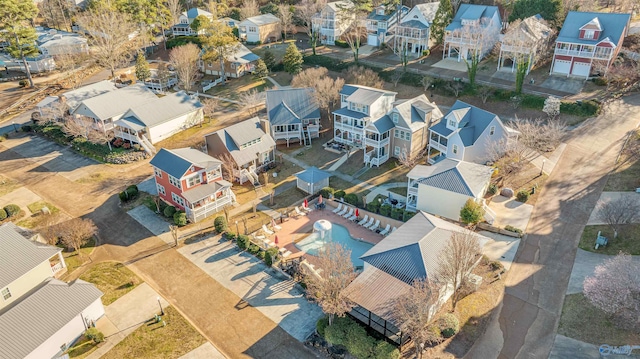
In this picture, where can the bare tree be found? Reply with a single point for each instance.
(69, 64)
(249, 8)
(396, 77)
(360, 75)
(618, 212)
(481, 36)
(336, 273)
(327, 89)
(78, 126)
(414, 310)
(484, 93)
(456, 261)
(353, 14)
(185, 60)
(409, 160)
(210, 106)
(509, 157)
(110, 37)
(57, 13)
(75, 233)
(455, 87)
(426, 82)
(251, 99)
(175, 9)
(539, 135)
(306, 11)
(228, 166)
(286, 18)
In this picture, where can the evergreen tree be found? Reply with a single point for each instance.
(142, 67)
(261, 70)
(15, 20)
(269, 59)
(292, 59)
(550, 10)
(443, 18)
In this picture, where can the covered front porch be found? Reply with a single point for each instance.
(437, 143)
(58, 266)
(249, 171)
(207, 199)
(132, 130)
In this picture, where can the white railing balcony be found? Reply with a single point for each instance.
(411, 206)
(460, 40)
(56, 268)
(126, 136)
(375, 143)
(438, 146)
(412, 190)
(347, 126)
(574, 52)
(285, 134)
(602, 55)
(201, 212)
(516, 49)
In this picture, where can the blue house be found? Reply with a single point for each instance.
(474, 31)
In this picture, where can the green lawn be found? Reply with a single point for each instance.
(286, 198)
(233, 87)
(353, 164)
(399, 190)
(627, 241)
(583, 321)
(152, 340)
(388, 172)
(113, 279)
(318, 156)
(36, 207)
(74, 260)
(82, 348)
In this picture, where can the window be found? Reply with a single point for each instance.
(6, 294)
(253, 29)
(589, 34)
(452, 123)
(177, 199)
(407, 136)
(395, 117)
(160, 188)
(194, 180)
(396, 151)
(158, 172)
(455, 149)
(492, 130)
(175, 182)
(343, 98)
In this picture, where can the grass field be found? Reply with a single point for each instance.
(75, 259)
(113, 279)
(7, 185)
(628, 240)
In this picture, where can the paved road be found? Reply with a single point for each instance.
(524, 324)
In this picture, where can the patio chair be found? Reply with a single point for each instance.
(353, 218)
(259, 237)
(299, 212)
(348, 214)
(375, 226)
(364, 220)
(282, 250)
(344, 211)
(286, 254)
(370, 223)
(386, 230)
(268, 243)
(338, 209)
(266, 230)
(307, 209)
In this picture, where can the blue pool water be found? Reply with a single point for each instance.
(339, 234)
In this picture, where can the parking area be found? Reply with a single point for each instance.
(510, 212)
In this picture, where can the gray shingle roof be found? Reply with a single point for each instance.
(312, 175)
(33, 319)
(289, 106)
(532, 29)
(455, 176)
(163, 109)
(197, 193)
(177, 162)
(383, 124)
(263, 19)
(413, 112)
(118, 102)
(19, 255)
(613, 26)
(195, 12)
(471, 12)
(74, 97)
(472, 122)
(234, 136)
(366, 95)
(346, 112)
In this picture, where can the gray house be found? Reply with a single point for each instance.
(293, 114)
(246, 145)
(468, 133)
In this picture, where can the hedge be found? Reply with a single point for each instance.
(3, 214)
(327, 192)
(397, 213)
(346, 332)
(242, 241)
(12, 210)
(385, 210)
(339, 194)
(352, 199)
(511, 228)
(329, 63)
(270, 256)
(341, 43)
(183, 40)
(220, 224)
(373, 206)
(522, 196)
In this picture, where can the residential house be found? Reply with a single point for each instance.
(183, 27)
(241, 62)
(373, 120)
(247, 146)
(332, 22)
(40, 317)
(589, 42)
(260, 29)
(443, 188)
(37, 64)
(75, 97)
(391, 267)
(293, 114)
(159, 82)
(525, 42)
(473, 32)
(412, 34)
(381, 21)
(53, 42)
(191, 180)
(468, 133)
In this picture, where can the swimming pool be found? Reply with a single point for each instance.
(339, 234)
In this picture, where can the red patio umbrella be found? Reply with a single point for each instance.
(306, 203)
(276, 241)
(320, 199)
(357, 213)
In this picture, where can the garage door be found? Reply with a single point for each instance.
(581, 69)
(562, 66)
(372, 40)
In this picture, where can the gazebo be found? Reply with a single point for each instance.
(312, 180)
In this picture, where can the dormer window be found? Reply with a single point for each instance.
(453, 123)
(589, 34)
(394, 117)
(380, 11)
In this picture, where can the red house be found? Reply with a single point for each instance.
(589, 42)
(191, 181)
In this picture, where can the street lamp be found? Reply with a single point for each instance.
(160, 304)
(237, 230)
(542, 168)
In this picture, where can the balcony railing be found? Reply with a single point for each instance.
(277, 135)
(201, 212)
(372, 159)
(460, 40)
(375, 143)
(413, 190)
(347, 126)
(438, 146)
(580, 53)
(56, 268)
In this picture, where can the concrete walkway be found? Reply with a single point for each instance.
(607, 197)
(216, 97)
(205, 351)
(547, 162)
(501, 248)
(152, 221)
(584, 266)
(338, 163)
(564, 347)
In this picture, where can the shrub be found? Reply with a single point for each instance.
(324, 61)
(117, 142)
(95, 335)
(260, 254)
(352, 199)
(123, 196)
(169, 211)
(183, 40)
(180, 218)
(449, 325)
(397, 213)
(385, 210)
(229, 236)
(584, 108)
(321, 324)
(23, 83)
(327, 192)
(341, 43)
(408, 215)
(339, 194)
(126, 145)
(354, 338)
(12, 210)
(26, 128)
(600, 81)
(253, 249)
(511, 228)
(3, 214)
(493, 189)
(384, 350)
(271, 255)
(472, 212)
(522, 196)
(242, 242)
(220, 224)
(373, 206)
(132, 191)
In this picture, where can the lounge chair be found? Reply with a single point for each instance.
(364, 220)
(344, 211)
(286, 254)
(338, 209)
(266, 230)
(276, 227)
(307, 208)
(282, 250)
(268, 243)
(353, 218)
(370, 223)
(394, 229)
(299, 212)
(375, 226)
(386, 230)
(348, 214)
(259, 238)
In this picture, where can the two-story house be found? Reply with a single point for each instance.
(247, 147)
(260, 29)
(411, 35)
(183, 27)
(332, 21)
(468, 133)
(524, 42)
(293, 114)
(191, 181)
(589, 42)
(473, 32)
(40, 316)
(381, 21)
(241, 62)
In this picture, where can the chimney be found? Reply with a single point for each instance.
(266, 126)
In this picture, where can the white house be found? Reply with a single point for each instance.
(473, 32)
(40, 63)
(443, 188)
(331, 22)
(293, 114)
(75, 97)
(524, 42)
(413, 32)
(260, 29)
(381, 21)
(53, 42)
(183, 27)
